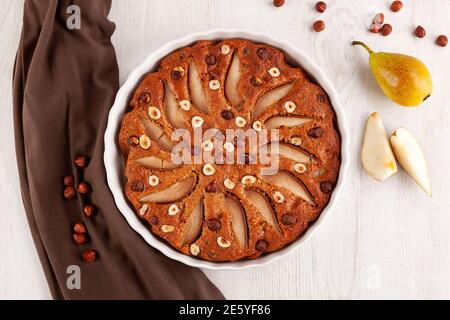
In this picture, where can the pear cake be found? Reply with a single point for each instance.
(229, 211)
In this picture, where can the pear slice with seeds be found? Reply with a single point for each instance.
(376, 153)
(157, 134)
(157, 163)
(263, 206)
(238, 221)
(271, 97)
(196, 89)
(410, 156)
(276, 122)
(193, 225)
(171, 111)
(232, 81)
(173, 193)
(289, 182)
(286, 151)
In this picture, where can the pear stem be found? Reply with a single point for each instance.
(359, 43)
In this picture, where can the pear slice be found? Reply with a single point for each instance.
(286, 151)
(289, 182)
(238, 221)
(376, 153)
(271, 97)
(171, 111)
(193, 225)
(196, 89)
(232, 81)
(287, 122)
(155, 132)
(173, 193)
(410, 156)
(157, 163)
(263, 206)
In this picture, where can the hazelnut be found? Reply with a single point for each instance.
(177, 73)
(315, 132)
(240, 122)
(396, 6)
(263, 53)
(208, 169)
(296, 141)
(194, 249)
(133, 141)
(420, 32)
(257, 126)
(144, 142)
(278, 197)
(214, 224)
(173, 210)
(288, 219)
(212, 187)
(68, 181)
(143, 210)
(223, 243)
(229, 184)
(197, 121)
(167, 229)
(214, 84)
(278, 3)
(84, 188)
(274, 72)
(69, 192)
(137, 186)
(79, 227)
(254, 81)
(153, 181)
(207, 145)
(378, 19)
(81, 161)
(248, 180)
(261, 245)
(89, 255)
(319, 25)
(210, 59)
(79, 238)
(300, 167)
(144, 97)
(375, 28)
(225, 49)
(290, 106)
(154, 220)
(228, 146)
(442, 41)
(321, 6)
(154, 113)
(89, 210)
(227, 114)
(326, 186)
(386, 29)
(185, 105)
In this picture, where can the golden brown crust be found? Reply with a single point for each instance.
(320, 139)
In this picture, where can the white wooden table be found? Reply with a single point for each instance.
(383, 240)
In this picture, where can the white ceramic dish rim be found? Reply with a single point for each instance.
(112, 157)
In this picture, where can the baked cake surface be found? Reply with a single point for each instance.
(231, 211)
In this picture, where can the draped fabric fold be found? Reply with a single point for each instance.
(63, 86)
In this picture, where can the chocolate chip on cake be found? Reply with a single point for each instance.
(326, 186)
(210, 59)
(227, 114)
(213, 224)
(288, 219)
(137, 186)
(261, 245)
(315, 132)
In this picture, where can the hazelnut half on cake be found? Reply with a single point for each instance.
(229, 211)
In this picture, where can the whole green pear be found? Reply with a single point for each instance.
(404, 79)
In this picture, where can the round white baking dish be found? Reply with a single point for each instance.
(114, 163)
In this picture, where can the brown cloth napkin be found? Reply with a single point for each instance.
(65, 82)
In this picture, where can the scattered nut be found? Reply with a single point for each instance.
(319, 25)
(290, 106)
(278, 197)
(240, 122)
(442, 40)
(89, 255)
(214, 224)
(223, 243)
(144, 97)
(194, 249)
(153, 181)
(197, 121)
(321, 6)
(208, 169)
(133, 141)
(79, 238)
(278, 3)
(89, 210)
(143, 210)
(386, 29)
(173, 210)
(300, 167)
(248, 180)
(79, 227)
(274, 72)
(68, 181)
(375, 28)
(288, 219)
(378, 19)
(296, 141)
(81, 161)
(210, 59)
(228, 146)
(214, 84)
(177, 73)
(166, 228)
(144, 142)
(227, 114)
(207, 145)
(154, 113)
(254, 81)
(396, 6)
(229, 184)
(225, 49)
(257, 126)
(261, 245)
(69, 192)
(420, 32)
(185, 105)
(84, 188)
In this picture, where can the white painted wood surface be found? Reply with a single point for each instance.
(383, 240)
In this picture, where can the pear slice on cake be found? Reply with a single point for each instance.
(376, 153)
(410, 156)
